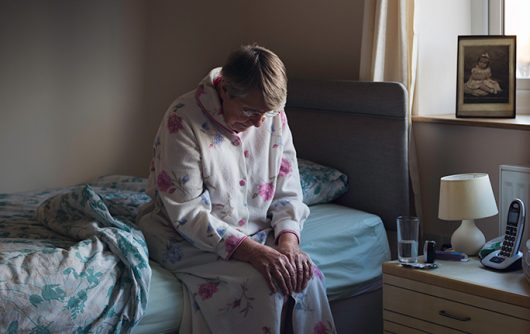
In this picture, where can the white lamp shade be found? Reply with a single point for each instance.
(466, 196)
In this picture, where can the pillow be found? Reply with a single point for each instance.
(321, 184)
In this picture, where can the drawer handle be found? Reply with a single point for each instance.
(444, 313)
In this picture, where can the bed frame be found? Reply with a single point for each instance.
(362, 129)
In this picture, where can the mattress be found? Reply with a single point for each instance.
(164, 305)
(348, 245)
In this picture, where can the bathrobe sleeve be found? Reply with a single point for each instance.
(180, 187)
(287, 209)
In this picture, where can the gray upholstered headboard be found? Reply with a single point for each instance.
(362, 129)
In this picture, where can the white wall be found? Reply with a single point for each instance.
(71, 88)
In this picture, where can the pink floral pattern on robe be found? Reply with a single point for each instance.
(285, 167)
(212, 189)
(207, 290)
(266, 191)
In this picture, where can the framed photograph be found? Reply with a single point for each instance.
(485, 84)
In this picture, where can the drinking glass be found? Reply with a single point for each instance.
(407, 236)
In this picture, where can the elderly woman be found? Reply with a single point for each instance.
(227, 210)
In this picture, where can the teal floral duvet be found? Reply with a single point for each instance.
(71, 260)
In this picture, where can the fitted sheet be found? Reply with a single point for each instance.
(348, 245)
(164, 304)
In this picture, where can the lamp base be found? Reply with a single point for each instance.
(467, 238)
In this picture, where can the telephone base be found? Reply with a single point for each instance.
(501, 263)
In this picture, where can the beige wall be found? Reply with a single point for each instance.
(445, 149)
(83, 84)
(71, 90)
(315, 39)
(184, 40)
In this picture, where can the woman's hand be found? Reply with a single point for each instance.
(275, 267)
(288, 245)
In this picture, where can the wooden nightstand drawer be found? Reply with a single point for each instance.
(455, 298)
(451, 314)
(401, 324)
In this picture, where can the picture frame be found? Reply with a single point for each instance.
(485, 85)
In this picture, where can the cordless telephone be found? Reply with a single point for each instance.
(509, 256)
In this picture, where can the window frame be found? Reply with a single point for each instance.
(495, 19)
(487, 18)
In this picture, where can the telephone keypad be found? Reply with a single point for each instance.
(508, 243)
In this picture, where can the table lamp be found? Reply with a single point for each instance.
(466, 197)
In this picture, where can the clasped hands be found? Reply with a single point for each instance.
(284, 267)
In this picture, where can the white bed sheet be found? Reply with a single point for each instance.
(348, 245)
(164, 304)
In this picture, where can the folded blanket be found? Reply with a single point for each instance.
(78, 268)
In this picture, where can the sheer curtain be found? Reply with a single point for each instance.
(388, 50)
(389, 53)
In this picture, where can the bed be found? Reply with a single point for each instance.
(71, 257)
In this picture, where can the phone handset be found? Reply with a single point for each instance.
(509, 256)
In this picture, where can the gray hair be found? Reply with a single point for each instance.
(255, 67)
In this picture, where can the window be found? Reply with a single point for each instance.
(508, 17)
(515, 23)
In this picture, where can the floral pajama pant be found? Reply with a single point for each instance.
(231, 296)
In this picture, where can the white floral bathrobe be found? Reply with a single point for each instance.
(212, 188)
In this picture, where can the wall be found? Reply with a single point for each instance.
(70, 90)
(453, 149)
(185, 40)
(85, 83)
(315, 39)
(444, 149)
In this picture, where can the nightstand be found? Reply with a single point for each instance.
(454, 298)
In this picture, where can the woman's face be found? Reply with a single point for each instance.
(240, 113)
